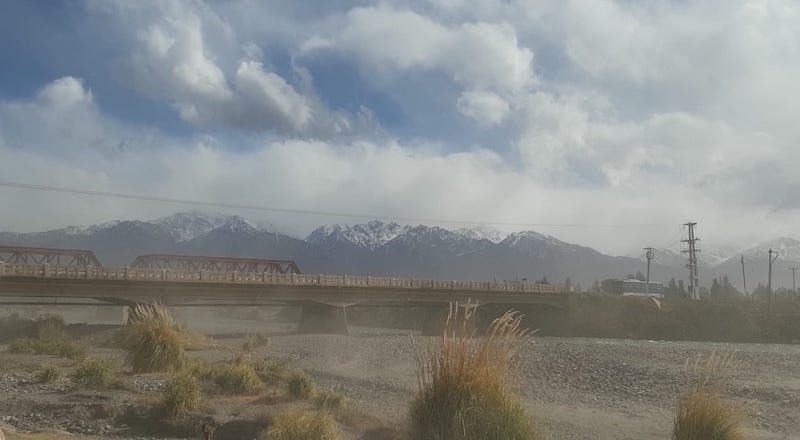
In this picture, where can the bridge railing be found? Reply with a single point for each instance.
(288, 279)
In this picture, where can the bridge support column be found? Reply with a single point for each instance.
(322, 318)
(111, 314)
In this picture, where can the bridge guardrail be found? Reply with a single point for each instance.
(289, 279)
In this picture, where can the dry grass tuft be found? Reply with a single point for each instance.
(153, 340)
(50, 373)
(303, 425)
(93, 373)
(704, 415)
(52, 339)
(182, 394)
(329, 399)
(463, 391)
(240, 378)
(300, 384)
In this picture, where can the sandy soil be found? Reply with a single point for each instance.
(575, 388)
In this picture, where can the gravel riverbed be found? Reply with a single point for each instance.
(575, 388)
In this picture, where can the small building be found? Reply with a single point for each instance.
(634, 287)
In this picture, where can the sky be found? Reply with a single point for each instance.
(606, 123)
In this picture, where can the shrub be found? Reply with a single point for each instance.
(153, 341)
(463, 392)
(52, 339)
(93, 373)
(329, 399)
(241, 378)
(271, 372)
(303, 425)
(50, 373)
(704, 415)
(300, 384)
(182, 394)
(22, 345)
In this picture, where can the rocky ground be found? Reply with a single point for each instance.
(575, 388)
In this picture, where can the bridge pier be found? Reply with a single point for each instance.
(112, 314)
(322, 318)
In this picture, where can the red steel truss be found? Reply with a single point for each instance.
(60, 257)
(214, 264)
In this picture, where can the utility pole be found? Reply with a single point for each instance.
(694, 282)
(649, 253)
(769, 276)
(794, 285)
(744, 278)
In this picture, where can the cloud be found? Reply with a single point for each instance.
(485, 107)
(65, 92)
(173, 59)
(388, 179)
(389, 42)
(268, 97)
(659, 111)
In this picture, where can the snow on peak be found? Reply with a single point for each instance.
(184, 226)
(370, 235)
(481, 232)
(90, 229)
(239, 225)
(788, 249)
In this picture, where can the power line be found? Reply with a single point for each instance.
(174, 200)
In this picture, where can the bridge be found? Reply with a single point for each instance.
(321, 296)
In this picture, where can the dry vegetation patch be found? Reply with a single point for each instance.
(463, 392)
(51, 339)
(93, 373)
(300, 384)
(153, 340)
(182, 394)
(303, 425)
(702, 413)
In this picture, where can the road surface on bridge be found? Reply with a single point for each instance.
(125, 285)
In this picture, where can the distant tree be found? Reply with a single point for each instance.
(716, 289)
(761, 291)
(672, 289)
(640, 276)
(682, 290)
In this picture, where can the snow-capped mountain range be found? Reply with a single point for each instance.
(389, 248)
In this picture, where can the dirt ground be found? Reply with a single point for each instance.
(575, 388)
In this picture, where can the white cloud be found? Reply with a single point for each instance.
(65, 92)
(485, 107)
(389, 42)
(679, 110)
(171, 60)
(270, 98)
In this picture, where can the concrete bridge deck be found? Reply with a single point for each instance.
(321, 296)
(127, 285)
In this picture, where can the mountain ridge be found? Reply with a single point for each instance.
(384, 249)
